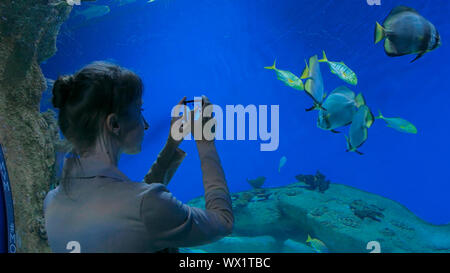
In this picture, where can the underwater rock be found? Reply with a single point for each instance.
(363, 210)
(241, 200)
(291, 246)
(241, 244)
(344, 218)
(314, 182)
(28, 31)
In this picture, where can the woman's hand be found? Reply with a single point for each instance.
(206, 114)
(184, 127)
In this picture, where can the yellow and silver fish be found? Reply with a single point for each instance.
(398, 124)
(341, 70)
(289, 78)
(317, 245)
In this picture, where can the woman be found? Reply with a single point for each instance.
(96, 208)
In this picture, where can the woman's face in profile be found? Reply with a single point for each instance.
(134, 128)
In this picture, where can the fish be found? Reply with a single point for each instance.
(358, 133)
(257, 182)
(92, 12)
(314, 82)
(341, 70)
(68, 2)
(125, 2)
(289, 78)
(407, 32)
(341, 106)
(398, 124)
(283, 161)
(317, 245)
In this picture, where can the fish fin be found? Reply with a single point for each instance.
(309, 239)
(273, 66)
(334, 131)
(349, 146)
(358, 152)
(360, 100)
(305, 74)
(324, 59)
(310, 108)
(380, 116)
(391, 49)
(418, 56)
(370, 120)
(380, 34)
(400, 9)
(302, 86)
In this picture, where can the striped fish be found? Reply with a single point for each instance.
(341, 70)
(289, 78)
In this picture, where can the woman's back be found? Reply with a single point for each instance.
(101, 214)
(103, 211)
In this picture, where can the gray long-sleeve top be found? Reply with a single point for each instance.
(106, 212)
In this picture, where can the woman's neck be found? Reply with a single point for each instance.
(108, 155)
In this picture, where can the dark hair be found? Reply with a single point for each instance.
(87, 97)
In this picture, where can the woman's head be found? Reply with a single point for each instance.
(100, 106)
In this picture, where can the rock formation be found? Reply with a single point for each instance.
(28, 31)
(344, 218)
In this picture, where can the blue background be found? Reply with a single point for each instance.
(219, 48)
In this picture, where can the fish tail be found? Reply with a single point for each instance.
(309, 239)
(360, 100)
(273, 66)
(380, 116)
(305, 73)
(349, 146)
(380, 33)
(324, 59)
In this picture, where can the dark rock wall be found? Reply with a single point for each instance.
(28, 31)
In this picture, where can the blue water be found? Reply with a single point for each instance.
(219, 48)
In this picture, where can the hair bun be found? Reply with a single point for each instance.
(61, 90)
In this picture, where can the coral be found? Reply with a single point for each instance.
(241, 200)
(314, 182)
(261, 195)
(363, 210)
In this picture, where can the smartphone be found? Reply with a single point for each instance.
(191, 104)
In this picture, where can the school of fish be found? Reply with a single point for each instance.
(405, 32)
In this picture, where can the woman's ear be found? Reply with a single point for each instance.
(112, 124)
